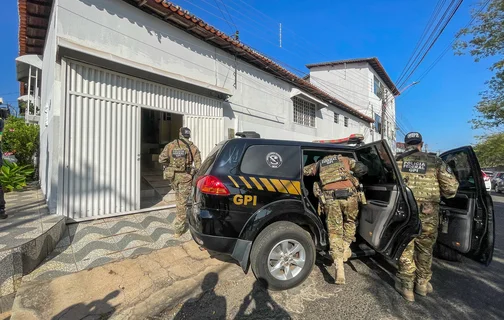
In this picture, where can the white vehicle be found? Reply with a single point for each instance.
(488, 183)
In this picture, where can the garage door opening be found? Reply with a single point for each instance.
(157, 129)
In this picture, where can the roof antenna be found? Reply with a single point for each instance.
(280, 35)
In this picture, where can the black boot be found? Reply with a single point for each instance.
(3, 215)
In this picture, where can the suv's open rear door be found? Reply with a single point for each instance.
(389, 220)
(467, 221)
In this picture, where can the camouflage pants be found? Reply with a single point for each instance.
(182, 186)
(416, 261)
(341, 217)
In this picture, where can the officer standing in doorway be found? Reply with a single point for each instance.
(178, 157)
(338, 191)
(429, 178)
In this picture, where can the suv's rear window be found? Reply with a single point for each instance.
(272, 160)
(210, 158)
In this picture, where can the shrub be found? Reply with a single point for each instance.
(21, 139)
(13, 177)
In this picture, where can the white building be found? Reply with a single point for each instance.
(118, 78)
(364, 84)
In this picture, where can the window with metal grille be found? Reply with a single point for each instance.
(346, 122)
(336, 118)
(304, 112)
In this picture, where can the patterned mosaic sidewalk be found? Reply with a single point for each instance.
(90, 244)
(28, 218)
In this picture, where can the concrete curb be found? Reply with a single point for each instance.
(18, 261)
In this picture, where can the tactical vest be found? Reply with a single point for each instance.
(419, 172)
(331, 169)
(179, 157)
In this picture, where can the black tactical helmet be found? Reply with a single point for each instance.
(360, 169)
(185, 132)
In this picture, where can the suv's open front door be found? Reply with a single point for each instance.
(467, 221)
(389, 220)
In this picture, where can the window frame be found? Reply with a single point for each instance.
(305, 104)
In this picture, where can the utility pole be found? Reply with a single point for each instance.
(373, 129)
(384, 108)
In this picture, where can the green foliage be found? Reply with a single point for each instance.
(13, 177)
(486, 39)
(490, 150)
(21, 139)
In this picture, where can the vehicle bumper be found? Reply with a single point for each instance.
(238, 249)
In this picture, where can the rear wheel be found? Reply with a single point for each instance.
(496, 189)
(282, 256)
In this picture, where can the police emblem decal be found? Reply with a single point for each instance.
(274, 160)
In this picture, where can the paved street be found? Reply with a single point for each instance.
(184, 282)
(462, 291)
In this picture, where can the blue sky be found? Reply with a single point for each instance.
(439, 107)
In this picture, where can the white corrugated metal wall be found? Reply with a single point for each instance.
(102, 136)
(206, 132)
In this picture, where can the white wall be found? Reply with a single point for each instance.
(354, 84)
(49, 119)
(260, 102)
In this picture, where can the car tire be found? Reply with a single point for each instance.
(282, 235)
(446, 253)
(496, 189)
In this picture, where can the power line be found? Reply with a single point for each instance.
(432, 18)
(230, 17)
(440, 57)
(452, 13)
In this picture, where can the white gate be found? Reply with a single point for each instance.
(206, 132)
(101, 165)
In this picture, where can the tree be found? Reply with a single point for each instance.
(490, 150)
(21, 139)
(486, 39)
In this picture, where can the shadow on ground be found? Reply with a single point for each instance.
(98, 309)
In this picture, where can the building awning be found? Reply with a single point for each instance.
(297, 92)
(78, 48)
(23, 64)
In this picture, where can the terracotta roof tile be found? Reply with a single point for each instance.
(33, 23)
(175, 15)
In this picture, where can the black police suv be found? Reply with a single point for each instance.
(251, 201)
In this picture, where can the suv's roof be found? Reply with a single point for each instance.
(303, 144)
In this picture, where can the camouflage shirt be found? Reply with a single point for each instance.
(428, 177)
(177, 151)
(334, 172)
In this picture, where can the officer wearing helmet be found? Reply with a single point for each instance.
(181, 160)
(429, 178)
(337, 191)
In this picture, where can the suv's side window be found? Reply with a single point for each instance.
(272, 160)
(380, 167)
(459, 163)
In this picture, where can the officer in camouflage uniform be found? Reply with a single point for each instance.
(429, 178)
(178, 157)
(338, 198)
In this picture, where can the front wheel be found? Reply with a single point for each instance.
(282, 256)
(496, 189)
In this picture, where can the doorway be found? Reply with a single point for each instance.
(158, 128)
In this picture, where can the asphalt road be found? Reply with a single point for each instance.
(462, 290)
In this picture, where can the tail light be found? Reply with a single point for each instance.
(212, 185)
(485, 176)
